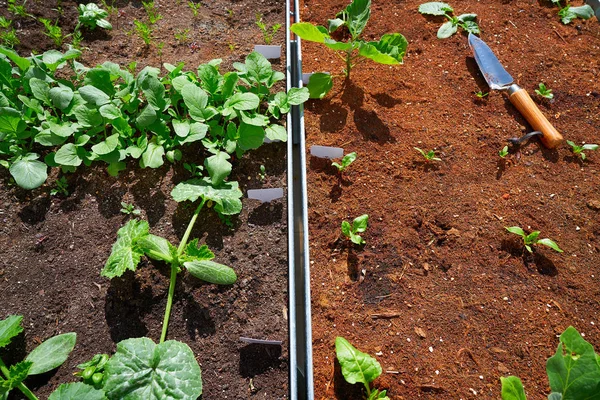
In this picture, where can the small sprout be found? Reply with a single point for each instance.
(359, 367)
(182, 36)
(346, 161)
(53, 31)
(450, 27)
(18, 10)
(153, 15)
(359, 225)
(504, 152)
(195, 7)
(194, 169)
(481, 95)
(62, 187)
(578, 150)
(532, 239)
(5, 23)
(129, 209)
(267, 32)
(263, 173)
(429, 156)
(231, 46)
(144, 31)
(9, 38)
(230, 13)
(544, 91)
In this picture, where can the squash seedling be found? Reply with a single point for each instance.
(544, 91)
(359, 225)
(532, 239)
(578, 150)
(450, 27)
(481, 94)
(429, 155)
(359, 367)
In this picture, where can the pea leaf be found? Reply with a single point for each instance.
(512, 388)
(51, 353)
(225, 196)
(356, 366)
(77, 391)
(218, 167)
(157, 248)
(140, 369)
(435, 8)
(125, 252)
(28, 172)
(319, 85)
(9, 328)
(212, 272)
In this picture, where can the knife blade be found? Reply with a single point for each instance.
(498, 79)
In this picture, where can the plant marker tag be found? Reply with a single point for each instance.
(265, 195)
(261, 341)
(306, 77)
(326, 152)
(270, 52)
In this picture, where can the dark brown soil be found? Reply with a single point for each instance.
(53, 248)
(447, 301)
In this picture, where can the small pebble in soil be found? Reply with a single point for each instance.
(430, 349)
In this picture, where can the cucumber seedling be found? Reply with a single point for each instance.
(544, 91)
(568, 13)
(450, 27)
(346, 161)
(532, 239)
(578, 150)
(359, 225)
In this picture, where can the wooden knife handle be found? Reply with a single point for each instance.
(551, 138)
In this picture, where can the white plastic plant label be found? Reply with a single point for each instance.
(265, 195)
(270, 52)
(326, 152)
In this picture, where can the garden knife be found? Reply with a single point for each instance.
(497, 78)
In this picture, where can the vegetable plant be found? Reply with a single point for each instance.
(390, 49)
(481, 94)
(359, 367)
(262, 175)
(568, 13)
(359, 225)
(346, 161)
(428, 155)
(153, 15)
(544, 91)
(53, 31)
(182, 36)
(532, 239)
(144, 31)
(91, 16)
(195, 7)
(9, 38)
(503, 152)
(18, 10)
(5, 23)
(573, 371)
(450, 27)
(62, 187)
(129, 209)
(578, 150)
(267, 32)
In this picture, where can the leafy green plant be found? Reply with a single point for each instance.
(5, 23)
(62, 187)
(359, 367)
(532, 239)
(390, 49)
(544, 91)
(91, 16)
(53, 31)
(129, 209)
(144, 31)
(578, 150)
(346, 161)
(195, 7)
(428, 155)
(267, 32)
(76, 39)
(359, 225)
(573, 371)
(230, 13)
(111, 8)
(481, 95)
(153, 14)
(92, 372)
(182, 36)
(18, 10)
(568, 13)
(450, 27)
(9, 38)
(503, 152)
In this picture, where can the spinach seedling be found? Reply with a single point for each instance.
(503, 152)
(359, 367)
(569, 13)
(359, 225)
(62, 187)
(390, 49)
(532, 239)
(129, 209)
(346, 161)
(429, 155)
(267, 32)
(195, 7)
(544, 91)
(450, 27)
(53, 31)
(91, 16)
(578, 150)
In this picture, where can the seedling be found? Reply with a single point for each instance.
(262, 175)
(359, 367)
(359, 225)
(346, 161)
(5, 23)
(152, 12)
(53, 31)
(268, 32)
(390, 49)
(9, 38)
(18, 10)
(91, 16)
(195, 7)
(112, 9)
(450, 27)
(569, 13)
(429, 155)
(481, 95)
(504, 152)
(231, 46)
(129, 209)
(182, 36)
(544, 91)
(144, 31)
(532, 239)
(76, 39)
(62, 187)
(194, 169)
(578, 150)
(230, 13)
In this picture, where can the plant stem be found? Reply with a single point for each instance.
(28, 393)
(348, 63)
(188, 231)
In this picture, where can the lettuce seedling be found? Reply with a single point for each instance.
(359, 225)
(390, 49)
(358, 367)
(346, 161)
(429, 155)
(450, 27)
(532, 239)
(544, 91)
(578, 150)
(91, 16)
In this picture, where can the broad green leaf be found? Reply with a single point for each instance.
(29, 173)
(250, 136)
(61, 96)
(308, 31)
(154, 91)
(512, 388)
(435, 8)
(51, 353)
(390, 49)
(360, 223)
(259, 67)
(40, 90)
(550, 243)
(179, 82)
(114, 168)
(471, 26)
(276, 132)
(194, 253)
(147, 117)
(110, 111)
(68, 155)
(356, 366)
(297, 96)
(532, 237)
(22, 63)
(218, 167)
(9, 328)
(156, 247)
(319, 84)
(555, 396)
(181, 128)
(341, 46)
(100, 79)
(356, 239)
(226, 196)
(65, 130)
(348, 159)
(196, 100)
(142, 370)
(446, 30)
(467, 17)
(589, 147)
(574, 371)
(197, 132)
(77, 391)
(106, 146)
(334, 24)
(209, 78)
(125, 253)
(358, 13)
(569, 13)
(242, 101)
(516, 230)
(253, 118)
(11, 121)
(212, 272)
(87, 116)
(346, 228)
(93, 95)
(153, 156)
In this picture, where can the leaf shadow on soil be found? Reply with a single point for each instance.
(342, 389)
(542, 264)
(36, 210)
(256, 359)
(266, 213)
(208, 225)
(332, 117)
(367, 122)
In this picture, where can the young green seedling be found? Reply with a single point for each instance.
(346, 161)
(532, 239)
(144, 31)
(18, 9)
(569, 13)
(262, 175)
(53, 31)
(152, 12)
(578, 150)
(129, 209)
(359, 367)
(195, 7)
(9, 38)
(503, 152)
(481, 95)
(182, 36)
(429, 155)
(5, 23)
(91, 16)
(390, 49)
(544, 91)
(62, 187)
(359, 225)
(267, 32)
(450, 27)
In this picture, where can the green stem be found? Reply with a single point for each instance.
(188, 231)
(348, 63)
(368, 390)
(21, 386)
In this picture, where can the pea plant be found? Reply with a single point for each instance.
(544, 91)
(359, 225)
(532, 239)
(346, 161)
(450, 27)
(578, 150)
(359, 367)
(573, 371)
(390, 49)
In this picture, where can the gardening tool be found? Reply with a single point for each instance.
(595, 4)
(497, 78)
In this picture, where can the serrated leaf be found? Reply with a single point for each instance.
(51, 353)
(212, 272)
(125, 253)
(356, 366)
(29, 173)
(446, 30)
(435, 8)
(193, 252)
(140, 369)
(77, 391)
(156, 247)
(9, 328)
(17, 373)
(512, 388)
(226, 196)
(319, 84)
(218, 167)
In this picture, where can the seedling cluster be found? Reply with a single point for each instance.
(450, 27)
